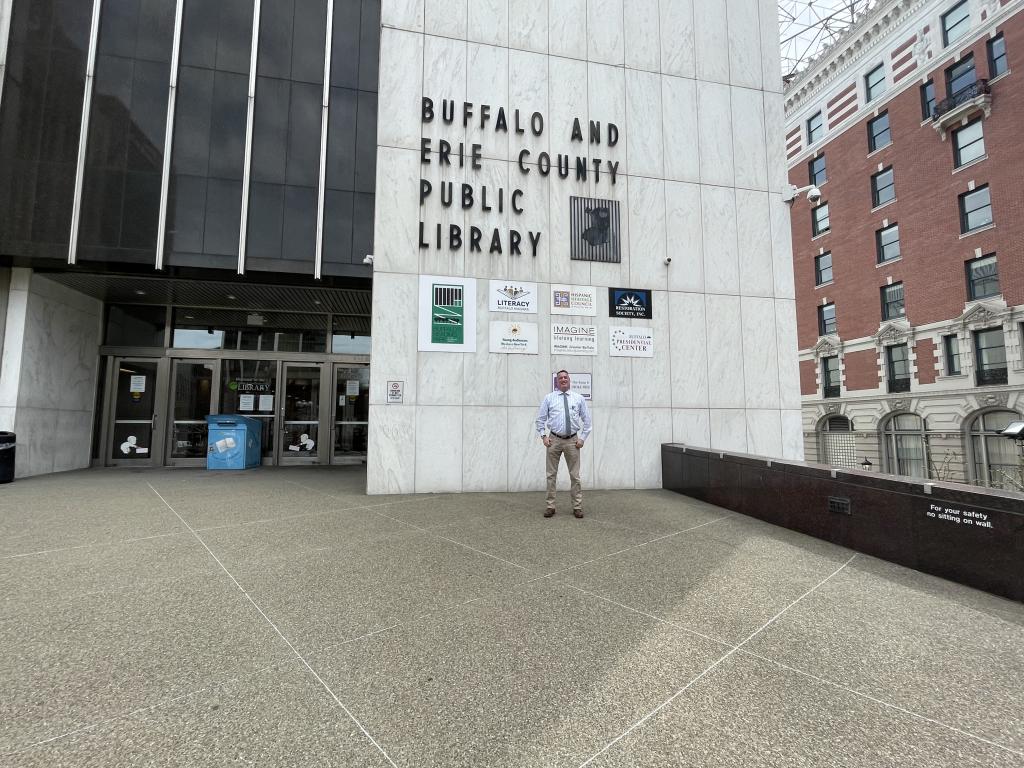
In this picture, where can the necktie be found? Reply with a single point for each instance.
(568, 420)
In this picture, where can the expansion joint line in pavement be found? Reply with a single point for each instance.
(886, 704)
(274, 626)
(733, 649)
(204, 529)
(714, 665)
(739, 649)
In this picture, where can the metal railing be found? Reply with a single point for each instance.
(990, 376)
(971, 92)
(899, 385)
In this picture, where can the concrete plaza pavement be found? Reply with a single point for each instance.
(281, 617)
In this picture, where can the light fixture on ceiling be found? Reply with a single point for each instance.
(140, 292)
(231, 297)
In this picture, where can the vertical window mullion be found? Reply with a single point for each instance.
(324, 117)
(5, 32)
(165, 175)
(247, 167)
(83, 136)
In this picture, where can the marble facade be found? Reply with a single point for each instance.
(51, 338)
(694, 89)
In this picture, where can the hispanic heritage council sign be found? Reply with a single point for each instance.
(630, 342)
(574, 300)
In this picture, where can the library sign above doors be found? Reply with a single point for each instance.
(595, 223)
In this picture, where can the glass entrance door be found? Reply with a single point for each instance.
(132, 433)
(192, 400)
(351, 411)
(300, 414)
(249, 388)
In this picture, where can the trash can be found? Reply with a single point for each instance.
(234, 442)
(6, 457)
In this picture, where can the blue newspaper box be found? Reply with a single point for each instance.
(234, 442)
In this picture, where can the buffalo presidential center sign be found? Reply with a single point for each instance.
(594, 226)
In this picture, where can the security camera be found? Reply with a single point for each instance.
(668, 260)
(368, 260)
(813, 195)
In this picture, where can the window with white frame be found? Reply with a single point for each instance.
(883, 187)
(951, 352)
(995, 462)
(874, 83)
(906, 445)
(887, 243)
(892, 301)
(968, 143)
(823, 269)
(815, 128)
(879, 134)
(975, 209)
(982, 277)
(989, 357)
(820, 223)
(997, 56)
(956, 22)
(830, 381)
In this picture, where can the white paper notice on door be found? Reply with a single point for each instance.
(352, 387)
(246, 402)
(137, 384)
(266, 402)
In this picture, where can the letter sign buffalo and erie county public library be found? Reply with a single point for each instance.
(594, 224)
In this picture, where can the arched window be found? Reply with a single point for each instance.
(906, 447)
(995, 459)
(837, 444)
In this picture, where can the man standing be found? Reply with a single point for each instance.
(563, 423)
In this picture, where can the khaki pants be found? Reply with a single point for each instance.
(572, 460)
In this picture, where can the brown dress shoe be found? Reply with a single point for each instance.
(549, 513)
(577, 513)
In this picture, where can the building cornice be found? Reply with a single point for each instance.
(873, 29)
(877, 29)
(977, 314)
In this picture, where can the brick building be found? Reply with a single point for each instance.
(909, 269)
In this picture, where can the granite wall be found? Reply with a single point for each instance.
(694, 90)
(48, 374)
(974, 536)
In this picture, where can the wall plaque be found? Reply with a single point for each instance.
(595, 230)
(573, 339)
(630, 302)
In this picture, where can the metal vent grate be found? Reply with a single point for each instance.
(838, 505)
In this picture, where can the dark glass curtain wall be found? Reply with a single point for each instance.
(41, 117)
(286, 134)
(205, 193)
(352, 134)
(125, 151)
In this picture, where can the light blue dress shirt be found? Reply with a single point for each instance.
(551, 415)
